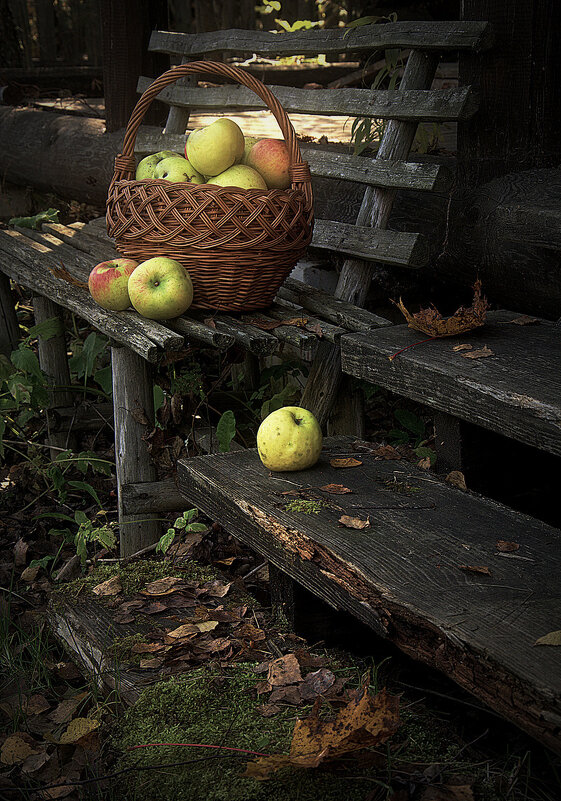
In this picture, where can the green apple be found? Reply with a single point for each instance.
(214, 148)
(241, 176)
(249, 142)
(177, 169)
(148, 164)
(289, 439)
(108, 283)
(161, 289)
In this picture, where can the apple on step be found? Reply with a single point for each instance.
(147, 165)
(177, 169)
(214, 148)
(160, 288)
(108, 283)
(289, 439)
(241, 176)
(271, 159)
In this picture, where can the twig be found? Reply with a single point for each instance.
(255, 569)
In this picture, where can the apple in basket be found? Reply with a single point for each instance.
(289, 439)
(249, 142)
(147, 165)
(176, 168)
(160, 288)
(271, 159)
(239, 175)
(214, 148)
(108, 283)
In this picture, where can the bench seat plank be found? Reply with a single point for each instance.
(425, 35)
(516, 391)
(403, 574)
(415, 105)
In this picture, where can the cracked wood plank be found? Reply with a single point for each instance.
(402, 575)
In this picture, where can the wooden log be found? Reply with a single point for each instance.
(440, 105)
(53, 360)
(202, 334)
(415, 34)
(36, 147)
(133, 404)
(9, 326)
(370, 244)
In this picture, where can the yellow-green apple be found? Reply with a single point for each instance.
(249, 141)
(177, 169)
(289, 439)
(161, 289)
(239, 175)
(108, 283)
(270, 158)
(214, 148)
(148, 164)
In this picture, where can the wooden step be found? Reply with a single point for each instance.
(515, 391)
(417, 574)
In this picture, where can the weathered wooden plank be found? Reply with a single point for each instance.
(196, 331)
(27, 266)
(99, 247)
(337, 311)
(410, 34)
(261, 343)
(41, 249)
(403, 575)
(327, 164)
(324, 330)
(417, 105)
(371, 244)
(303, 341)
(516, 391)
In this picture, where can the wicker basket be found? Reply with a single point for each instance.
(238, 245)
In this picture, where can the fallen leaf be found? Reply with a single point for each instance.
(147, 647)
(448, 792)
(524, 319)
(552, 638)
(284, 670)
(154, 608)
(216, 588)
(67, 671)
(432, 323)
(20, 552)
(35, 762)
(270, 325)
(163, 586)
(140, 416)
(268, 710)
(315, 328)
(35, 705)
(387, 452)
(289, 694)
(346, 462)
(335, 489)
(476, 569)
(151, 664)
(112, 586)
(16, 749)
(207, 625)
(184, 630)
(316, 683)
(424, 464)
(66, 710)
(210, 322)
(457, 479)
(465, 346)
(30, 574)
(354, 522)
(78, 728)
(507, 547)
(481, 353)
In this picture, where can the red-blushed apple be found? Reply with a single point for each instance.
(289, 439)
(108, 283)
(161, 288)
(271, 159)
(249, 142)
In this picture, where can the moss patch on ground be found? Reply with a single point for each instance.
(215, 706)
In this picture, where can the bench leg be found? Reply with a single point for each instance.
(347, 414)
(282, 588)
(448, 443)
(53, 359)
(133, 409)
(9, 327)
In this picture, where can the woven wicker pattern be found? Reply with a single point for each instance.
(238, 244)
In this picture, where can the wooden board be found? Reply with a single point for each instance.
(403, 574)
(516, 391)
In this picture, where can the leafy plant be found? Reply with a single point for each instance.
(186, 524)
(226, 431)
(413, 432)
(48, 216)
(88, 531)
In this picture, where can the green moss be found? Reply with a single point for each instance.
(307, 507)
(120, 648)
(212, 706)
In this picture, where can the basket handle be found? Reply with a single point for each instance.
(299, 171)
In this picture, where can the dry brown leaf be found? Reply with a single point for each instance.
(268, 710)
(552, 638)
(207, 625)
(524, 319)
(16, 749)
(481, 353)
(30, 574)
(335, 489)
(20, 552)
(348, 461)
(35, 705)
(387, 452)
(151, 664)
(483, 569)
(354, 522)
(163, 586)
(507, 547)
(457, 479)
(317, 683)
(284, 670)
(184, 631)
(66, 710)
(62, 273)
(315, 328)
(35, 762)
(431, 322)
(424, 464)
(78, 728)
(287, 694)
(147, 647)
(112, 586)
(465, 346)
(270, 325)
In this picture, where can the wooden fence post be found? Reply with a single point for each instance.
(133, 409)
